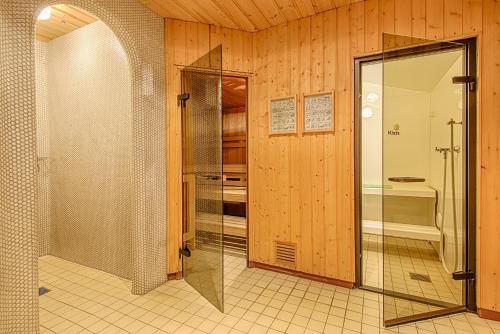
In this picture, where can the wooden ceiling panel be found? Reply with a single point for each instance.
(63, 19)
(248, 15)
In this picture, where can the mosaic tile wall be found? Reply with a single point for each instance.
(141, 33)
(90, 128)
(43, 147)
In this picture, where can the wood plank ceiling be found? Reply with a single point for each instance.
(248, 15)
(63, 19)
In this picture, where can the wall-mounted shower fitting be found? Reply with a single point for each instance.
(452, 149)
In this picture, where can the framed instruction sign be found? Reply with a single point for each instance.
(318, 112)
(283, 115)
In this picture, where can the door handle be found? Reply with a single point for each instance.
(211, 177)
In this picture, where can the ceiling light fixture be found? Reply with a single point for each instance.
(367, 112)
(45, 14)
(372, 97)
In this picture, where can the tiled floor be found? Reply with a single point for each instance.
(84, 300)
(402, 257)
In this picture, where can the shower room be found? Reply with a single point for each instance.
(412, 199)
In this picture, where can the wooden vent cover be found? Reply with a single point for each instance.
(286, 253)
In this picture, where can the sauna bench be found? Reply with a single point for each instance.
(233, 225)
(232, 194)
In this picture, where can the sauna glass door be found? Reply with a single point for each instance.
(424, 202)
(203, 248)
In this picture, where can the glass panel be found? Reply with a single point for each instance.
(371, 174)
(423, 198)
(202, 177)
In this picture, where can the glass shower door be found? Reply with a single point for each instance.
(424, 178)
(203, 249)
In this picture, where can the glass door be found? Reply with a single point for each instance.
(425, 178)
(203, 249)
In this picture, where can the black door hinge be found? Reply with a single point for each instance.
(466, 79)
(184, 251)
(182, 98)
(463, 275)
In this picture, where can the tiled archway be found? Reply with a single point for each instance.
(141, 34)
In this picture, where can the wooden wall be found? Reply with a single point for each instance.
(302, 187)
(186, 42)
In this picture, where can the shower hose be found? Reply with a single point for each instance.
(454, 208)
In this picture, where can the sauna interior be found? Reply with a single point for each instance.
(249, 166)
(234, 150)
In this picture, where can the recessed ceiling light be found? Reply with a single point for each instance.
(367, 112)
(372, 97)
(45, 14)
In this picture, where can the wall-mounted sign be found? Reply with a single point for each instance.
(394, 131)
(318, 112)
(283, 115)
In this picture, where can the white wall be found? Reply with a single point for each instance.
(406, 154)
(407, 108)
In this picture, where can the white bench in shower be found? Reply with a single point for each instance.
(409, 231)
(429, 233)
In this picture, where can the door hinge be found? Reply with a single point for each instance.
(466, 79)
(463, 275)
(182, 98)
(184, 251)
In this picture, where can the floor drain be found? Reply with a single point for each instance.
(420, 277)
(42, 291)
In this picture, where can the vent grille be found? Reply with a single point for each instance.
(420, 277)
(286, 253)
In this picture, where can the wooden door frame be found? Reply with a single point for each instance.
(472, 175)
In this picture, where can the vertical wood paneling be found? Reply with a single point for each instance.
(372, 36)
(305, 247)
(489, 251)
(386, 16)
(472, 16)
(358, 27)
(257, 117)
(418, 19)
(301, 187)
(295, 154)
(174, 153)
(453, 18)
(387, 23)
(402, 17)
(402, 22)
(330, 149)
(317, 159)
(343, 128)
(434, 12)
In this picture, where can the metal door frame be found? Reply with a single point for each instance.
(470, 114)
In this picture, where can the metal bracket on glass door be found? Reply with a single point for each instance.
(184, 251)
(182, 98)
(463, 275)
(466, 79)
